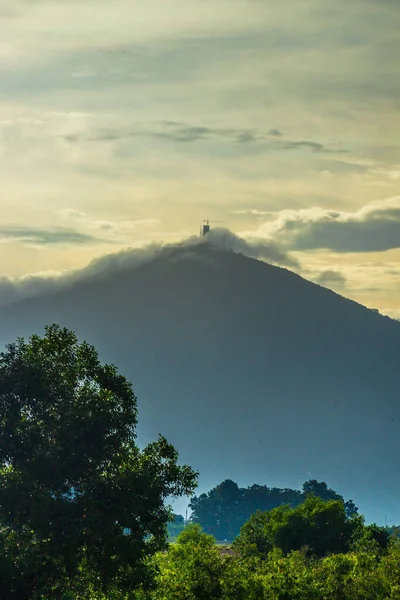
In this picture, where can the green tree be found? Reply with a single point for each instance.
(350, 508)
(175, 526)
(191, 569)
(371, 537)
(220, 511)
(226, 508)
(320, 527)
(75, 487)
(194, 534)
(320, 489)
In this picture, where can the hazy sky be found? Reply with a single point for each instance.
(131, 121)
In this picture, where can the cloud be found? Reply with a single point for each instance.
(175, 131)
(167, 130)
(71, 213)
(252, 246)
(331, 278)
(252, 212)
(314, 146)
(13, 290)
(393, 313)
(119, 228)
(118, 231)
(44, 237)
(373, 228)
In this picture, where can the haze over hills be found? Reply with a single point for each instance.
(252, 372)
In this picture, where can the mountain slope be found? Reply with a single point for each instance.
(251, 371)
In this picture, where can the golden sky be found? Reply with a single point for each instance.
(127, 122)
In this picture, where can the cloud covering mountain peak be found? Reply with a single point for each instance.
(14, 290)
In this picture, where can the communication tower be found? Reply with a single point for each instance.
(206, 227)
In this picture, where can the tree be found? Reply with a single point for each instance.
(193, 533)
(226, 508)
(176, 526)
(320, 527)
(191, 570)
(372, 536)
(75, 487)
(320, 489)
(350, 508)
(220, 512)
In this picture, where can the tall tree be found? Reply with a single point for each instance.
(320, 489)
(75, 487)
(321, 527)
(220, 511)
(350, 508)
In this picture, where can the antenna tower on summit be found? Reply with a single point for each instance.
(205, 228)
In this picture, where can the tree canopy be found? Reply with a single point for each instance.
(314, 551)
(75, 487)
(226, 508)
(319, 526)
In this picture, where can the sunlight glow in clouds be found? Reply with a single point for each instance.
(124, 123)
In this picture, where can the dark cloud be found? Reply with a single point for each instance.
(176, 131)
(331, 278)
(248, 137)
(314, 146)
(187, 134)
(374, 228)
(44, 237)
(169, 131)
(128, 259)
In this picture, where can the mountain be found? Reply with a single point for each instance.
(252, 372)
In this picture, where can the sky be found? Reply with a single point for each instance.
(126, 123)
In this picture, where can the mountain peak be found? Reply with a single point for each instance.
(254, 373)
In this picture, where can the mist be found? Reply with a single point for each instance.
(34, 285)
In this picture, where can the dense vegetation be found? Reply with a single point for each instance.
(226, 508)
(196, 569)
(83, 512)
(79, 501)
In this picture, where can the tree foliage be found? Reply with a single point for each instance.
(321, 527)
(197, 570)
(75, 487)
(226, 508)
(191, 570)
(175, 526)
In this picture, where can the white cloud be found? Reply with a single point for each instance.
(71, 213)
(393, 313)
(375, 227)
(15, 289)
(117, 228)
